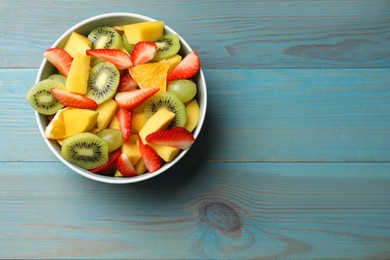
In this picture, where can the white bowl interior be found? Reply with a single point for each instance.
(84, 27)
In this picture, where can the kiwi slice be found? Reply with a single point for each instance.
(172, 103)
(59, 77)
(168, 46)
(40, 98)
(85, 150)
(105, 37)
(103, 81)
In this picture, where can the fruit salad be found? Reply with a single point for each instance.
(123, 100)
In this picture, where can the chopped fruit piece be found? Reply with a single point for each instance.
(114, 123)
(143, 31)
(124, 118)
(106, 110)
(77, 120)
(60, 59)
(110, 166)
(120, 59)
(133, 99)
(140, 167)
(139, 120)
(167, 153)
(125, 167)
(132, 151)
(193, 113)
(143, 52)
(187, 68)
(151, 159)
(173, 62)
(56, 127)
(151, 75)
(177, 137)
(158, 121)
(69, 99)
(77, 43)
(126, 83)
(77, 80)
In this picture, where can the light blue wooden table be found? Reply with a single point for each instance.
(293, 161)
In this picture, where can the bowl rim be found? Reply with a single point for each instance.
(110, 179)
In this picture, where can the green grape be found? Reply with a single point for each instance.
(184, 89)
(113, 138)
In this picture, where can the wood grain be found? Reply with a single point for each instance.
(226, 34)
(289, 210)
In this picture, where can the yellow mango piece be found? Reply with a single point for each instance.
(133, 139)
(107, 111)
(77, 80)
(77, 43)
(132, 151)
(166, 153)
(193, 113)
(118, 174)
(77, 120)
(144, 31)
(159, 120)
(140, 167)
(139, 120)
(173, 62)
(114, 123)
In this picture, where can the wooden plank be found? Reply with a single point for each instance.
(198, 211)
(226, 33)
(284, 115)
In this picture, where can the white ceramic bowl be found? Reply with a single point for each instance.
(84, 27)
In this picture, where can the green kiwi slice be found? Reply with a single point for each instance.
(103, 82)
(59, 77)
(168, 46)
(85, 150)
(105, 37)
(40, 98)
(172, 103)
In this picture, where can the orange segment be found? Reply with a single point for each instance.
(151, 74)
(56, 128)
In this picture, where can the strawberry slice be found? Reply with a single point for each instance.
(126, 83)
(124, 118)
(60, 59)
(110, 166)
(143, 52)
(124, 166)
(119, 58)
(178, 137)
(187, 68)
(134, 98)
(151, 159)
(69, 99)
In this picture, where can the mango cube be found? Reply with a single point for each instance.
(144, 31)
(140, 167)
(193, 113)
(107, 111)
(139, 120)
(173, 62)
(77, 43)
(78, 120)
(132, 151)
(77, 80)
(114, 123)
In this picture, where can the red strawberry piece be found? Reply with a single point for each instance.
(151, 159)
(124, 118)
(120, 59)
(110, 166)
(60, 59)
(126, 83)
(178, 137)
(69, 99)
(187, 68)
(143, 52)
(124, 166)
(134, 98)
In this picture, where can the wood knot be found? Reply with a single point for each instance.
(222, 217)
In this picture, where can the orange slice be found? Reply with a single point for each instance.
(151, 75)
(56, 128)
